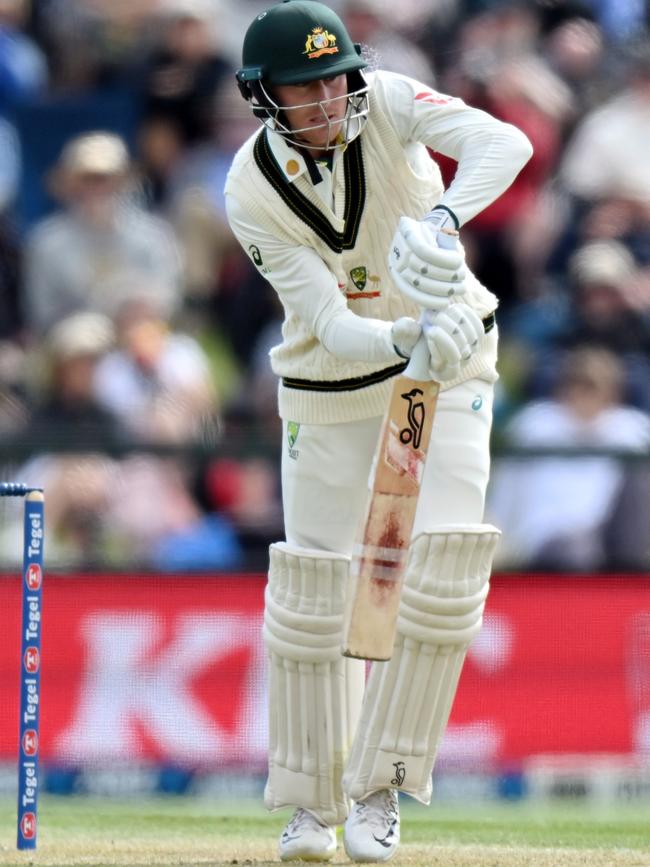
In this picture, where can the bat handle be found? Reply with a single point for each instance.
(418, 366)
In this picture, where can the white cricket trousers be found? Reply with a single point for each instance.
(326, 468)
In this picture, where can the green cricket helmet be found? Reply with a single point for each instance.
(295, 42)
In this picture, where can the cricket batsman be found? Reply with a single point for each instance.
(339, 205)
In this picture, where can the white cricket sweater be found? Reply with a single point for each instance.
(323, 245)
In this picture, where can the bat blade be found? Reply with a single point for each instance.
(381, 548)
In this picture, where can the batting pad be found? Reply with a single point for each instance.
(409, 698)
(314, 693)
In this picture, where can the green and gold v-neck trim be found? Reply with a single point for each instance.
(307, 211)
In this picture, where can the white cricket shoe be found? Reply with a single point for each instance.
(307, 838)
(371, 831)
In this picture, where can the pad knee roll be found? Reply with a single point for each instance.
(314, 694)
(447, 584)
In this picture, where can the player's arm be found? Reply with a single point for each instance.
(309, 289)
(490, 153)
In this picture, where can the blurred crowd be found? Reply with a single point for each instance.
(134, 380)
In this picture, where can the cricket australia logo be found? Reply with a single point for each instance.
(293, 429)
(359, 277)
(415, 418)
(320, 42)
(400, 774)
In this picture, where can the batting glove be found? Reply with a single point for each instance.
(453, 336)
(405, 334)
(422, 269)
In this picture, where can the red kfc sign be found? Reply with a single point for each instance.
(173, 669)
(142, 668)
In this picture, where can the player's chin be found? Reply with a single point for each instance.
(325, 142)
(317, 143)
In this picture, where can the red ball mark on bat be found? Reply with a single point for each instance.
(391, 538)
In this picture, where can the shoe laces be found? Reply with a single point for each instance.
(378, 810)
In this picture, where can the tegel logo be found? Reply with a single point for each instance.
(32, 660)
(477, 403)
(30, 742)
(33, 576)
(28, 826)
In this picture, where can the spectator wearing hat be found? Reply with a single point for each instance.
(70, 432)
(604, 278)
(604, 311)
(92, 519)
(99, 237)
(67, 412)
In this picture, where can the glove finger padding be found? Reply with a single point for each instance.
(421, 269)
(434, 281)
(428, 299)
(470, 324)
(453, 336)
(468, 318)
(450, 347)
(462, 325)
(440, 369)
(420, 238)
(410, 261)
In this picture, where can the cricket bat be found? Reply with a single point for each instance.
(382, 543)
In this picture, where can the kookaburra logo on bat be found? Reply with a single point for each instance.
(415, 417)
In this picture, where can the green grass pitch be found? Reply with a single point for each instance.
(188, 831)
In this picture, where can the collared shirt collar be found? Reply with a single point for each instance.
(289, 159)
(291, 162)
